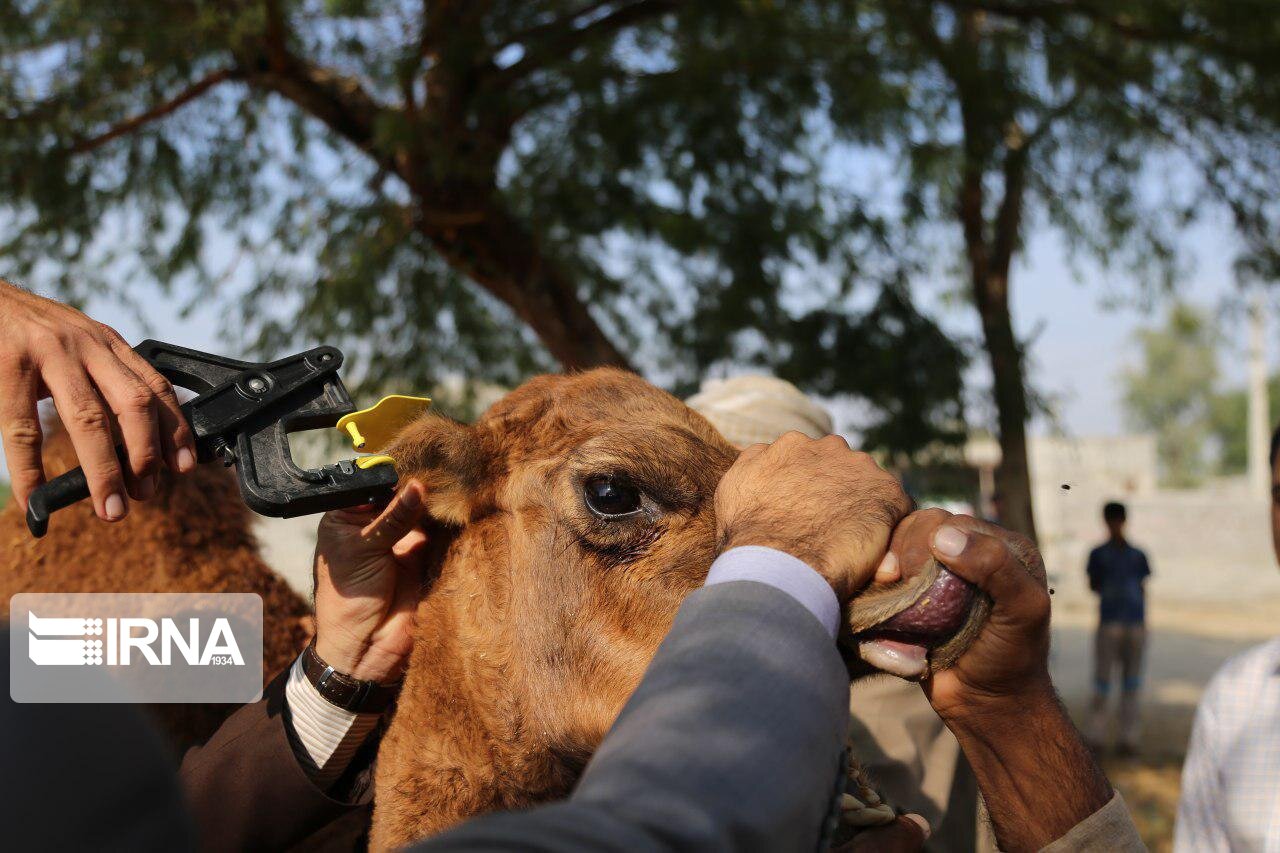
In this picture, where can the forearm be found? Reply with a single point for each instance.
(1037, 777)
(246, 786)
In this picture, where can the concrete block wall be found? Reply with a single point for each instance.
(1208, 544)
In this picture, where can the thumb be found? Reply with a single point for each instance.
(907, 834)
(989, 563)
(400, 517)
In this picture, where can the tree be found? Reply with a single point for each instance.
(475, 187)
(1171, 392)
(641, 182)
(1228, 424)
(1005, 113)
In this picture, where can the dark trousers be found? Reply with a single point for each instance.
(1117, 645)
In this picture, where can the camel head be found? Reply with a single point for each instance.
(575, 515)
(582, 515)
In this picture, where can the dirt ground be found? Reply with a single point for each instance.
(1187, 643)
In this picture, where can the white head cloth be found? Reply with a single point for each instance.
(752, 409)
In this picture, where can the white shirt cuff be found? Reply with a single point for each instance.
(326, 736)
(781, 571)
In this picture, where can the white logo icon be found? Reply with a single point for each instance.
(50, 643)
(75, 641)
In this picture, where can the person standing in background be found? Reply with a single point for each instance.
(914, 759)
(1117, 574)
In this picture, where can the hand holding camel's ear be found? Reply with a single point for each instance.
(1007, 662)
(366, 585)
(818, 500)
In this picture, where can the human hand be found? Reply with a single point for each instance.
(907, 834)
(97, 382)
(998, 698)
(1007, 662)
(817, 500)
(367, 585)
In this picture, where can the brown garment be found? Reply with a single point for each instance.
(247, 791)
(915, 762)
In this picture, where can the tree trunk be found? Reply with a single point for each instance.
(1013, 480)
(500, 255)
(484, 242)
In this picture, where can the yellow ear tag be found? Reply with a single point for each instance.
(375, 427)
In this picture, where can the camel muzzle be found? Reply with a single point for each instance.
(901, 644)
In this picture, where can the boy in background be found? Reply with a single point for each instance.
(1117, 574)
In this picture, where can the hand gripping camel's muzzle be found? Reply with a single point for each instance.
(923, 634)
(243, 415)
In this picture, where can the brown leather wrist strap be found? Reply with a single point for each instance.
(343, 691)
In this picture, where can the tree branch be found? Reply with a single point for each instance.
(976, 153)
(339, 101)
(558, 25)
(1055, 10)
(159, 111)
(560, 43)
(1008, 221)
(921, 24)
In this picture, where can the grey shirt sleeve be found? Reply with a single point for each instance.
(779, 569)
(1108, 830)
(733, 741)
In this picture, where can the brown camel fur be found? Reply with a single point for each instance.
(538, 617)
(194, 536)
(542, 616)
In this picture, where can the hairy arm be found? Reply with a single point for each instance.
(1046, 778)
(1041, 784)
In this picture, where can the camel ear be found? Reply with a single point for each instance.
(447, 458)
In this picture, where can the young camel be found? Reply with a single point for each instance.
(573, 518)
(579, 514)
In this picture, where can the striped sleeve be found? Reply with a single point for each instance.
(326, 737)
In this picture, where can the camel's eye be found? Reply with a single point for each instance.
(610, 497)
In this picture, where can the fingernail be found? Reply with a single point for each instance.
(411, 496)
(949, 541)
(147, 488)
(114, 507)
(887, 571)
(920, 822)
(186, 460)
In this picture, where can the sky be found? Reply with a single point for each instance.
(1085, 340)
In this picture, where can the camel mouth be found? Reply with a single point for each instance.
(900, 645)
